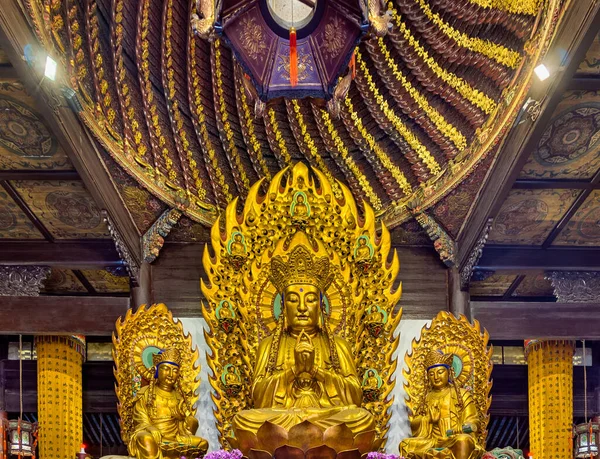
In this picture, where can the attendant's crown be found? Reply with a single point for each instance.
(300, 268)
(438, 359)
(170, 355)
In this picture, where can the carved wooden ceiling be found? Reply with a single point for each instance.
(42, 198)
(428, 105)
(554, 205)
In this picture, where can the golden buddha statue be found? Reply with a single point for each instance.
(156, 385)
(448, 414)
(302, 371)
(163, 426)
(299, 340)
(451, 420)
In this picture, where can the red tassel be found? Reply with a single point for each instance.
(293, 58)
(353, 65)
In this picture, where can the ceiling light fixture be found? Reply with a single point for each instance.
(50, 69)
(542, 72)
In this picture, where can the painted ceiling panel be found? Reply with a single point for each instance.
(14, 224)
(25, 141)
(106, 282)
(534, 285)
(64, 207)
(591, 63)
(570, 146)
(62, 281)
(495, 285)
(528, 216)
(584, 228)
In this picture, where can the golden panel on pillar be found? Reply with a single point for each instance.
(60, 411)
(157, 385)
(550, 380)
(301, 304)
(448, 386)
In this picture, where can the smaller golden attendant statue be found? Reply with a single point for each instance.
(450, 421)
(156, 386)
(164, 426)
(448, 414)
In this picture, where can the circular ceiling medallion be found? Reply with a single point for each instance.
(570, 136)
(22, 132)
(288, 13)
(73, 209)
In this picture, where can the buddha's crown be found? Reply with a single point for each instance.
(438, 359)
(170, 355)
(300, 268)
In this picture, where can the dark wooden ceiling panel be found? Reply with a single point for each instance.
(495, 285)
(583, 229)
(65, 208)
(591, 63)
(105, 282)
(25, 140)
(528, 216)
(534, 286)
(62, 281)
(14, 223)
(570, 145)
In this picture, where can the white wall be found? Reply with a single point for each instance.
(399, 429)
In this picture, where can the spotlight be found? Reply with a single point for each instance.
(72, 99)
(542, 72)
(50, 70)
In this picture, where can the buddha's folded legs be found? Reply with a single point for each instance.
(143, 445)
(415, 448)
(356, 419)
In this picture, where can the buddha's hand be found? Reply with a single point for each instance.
(156, 435)
(304, 354)
(191, 425)
(468, 428)
(434, 413)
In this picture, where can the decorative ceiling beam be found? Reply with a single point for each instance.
(15, 34)
(520, 320)
(554, 185)
(521, 259)
(22, 280)
(82, 315)
(39, 175)
(8, 72)
(585, 84)
(580, 27)
(93, 254)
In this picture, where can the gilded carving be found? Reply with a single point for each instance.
(157, 385)
(575, 286)
(22, 280)
(252, 38)
(300, 244)
(334, 38)
(448, 386)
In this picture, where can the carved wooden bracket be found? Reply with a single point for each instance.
(575, 286)
(22, 280)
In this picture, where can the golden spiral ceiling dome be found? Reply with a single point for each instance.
(428, 101)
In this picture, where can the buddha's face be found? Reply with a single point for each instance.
(302, 307)
(167, 375)
(438, 377)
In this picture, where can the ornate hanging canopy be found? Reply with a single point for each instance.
(260, 39)
(430, 100)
